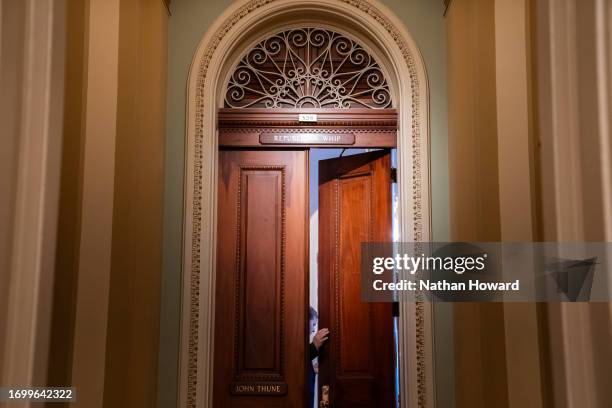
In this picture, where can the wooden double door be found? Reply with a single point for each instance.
(262, 301)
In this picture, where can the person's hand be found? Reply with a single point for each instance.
(320, 337)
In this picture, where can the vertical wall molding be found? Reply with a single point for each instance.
(100, 131)
(479, 329)
(37, 95)
(603, 49)
(574, 132)
(516, 161)
(132, 341)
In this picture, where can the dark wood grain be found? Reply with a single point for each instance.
(364, 138)
(354, 207)
(371, 127)
(284, 117)
(261, 281)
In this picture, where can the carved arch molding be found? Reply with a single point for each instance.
(204, 96)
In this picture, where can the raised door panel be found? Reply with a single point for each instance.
(260, 313)
(354, 207)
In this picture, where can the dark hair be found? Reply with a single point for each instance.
(313, 313)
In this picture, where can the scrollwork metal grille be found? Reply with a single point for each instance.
(308, 68)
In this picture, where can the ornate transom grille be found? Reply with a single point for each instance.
(308, 68)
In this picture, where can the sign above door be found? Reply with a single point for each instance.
(364, 128)
(266, 138)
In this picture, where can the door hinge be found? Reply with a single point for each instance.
(393, 175)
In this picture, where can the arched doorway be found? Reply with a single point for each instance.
(243, 25)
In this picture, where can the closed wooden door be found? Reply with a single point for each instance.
(261, 281)
(354, 207)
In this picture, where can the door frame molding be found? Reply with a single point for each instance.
(383, 33)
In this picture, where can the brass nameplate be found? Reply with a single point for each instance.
(307, 138)
(259, 388)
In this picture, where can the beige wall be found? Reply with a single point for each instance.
(106, 310)
(11, 49)
(96, 210)
(66, 261)
(32, 35)
(133, 327)
(517, 186)
(492, 167)
(472, 101)
(573, 50)
(474, 193)
(529, 145)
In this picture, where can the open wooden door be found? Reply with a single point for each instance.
(357, 363)
(261, 281)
